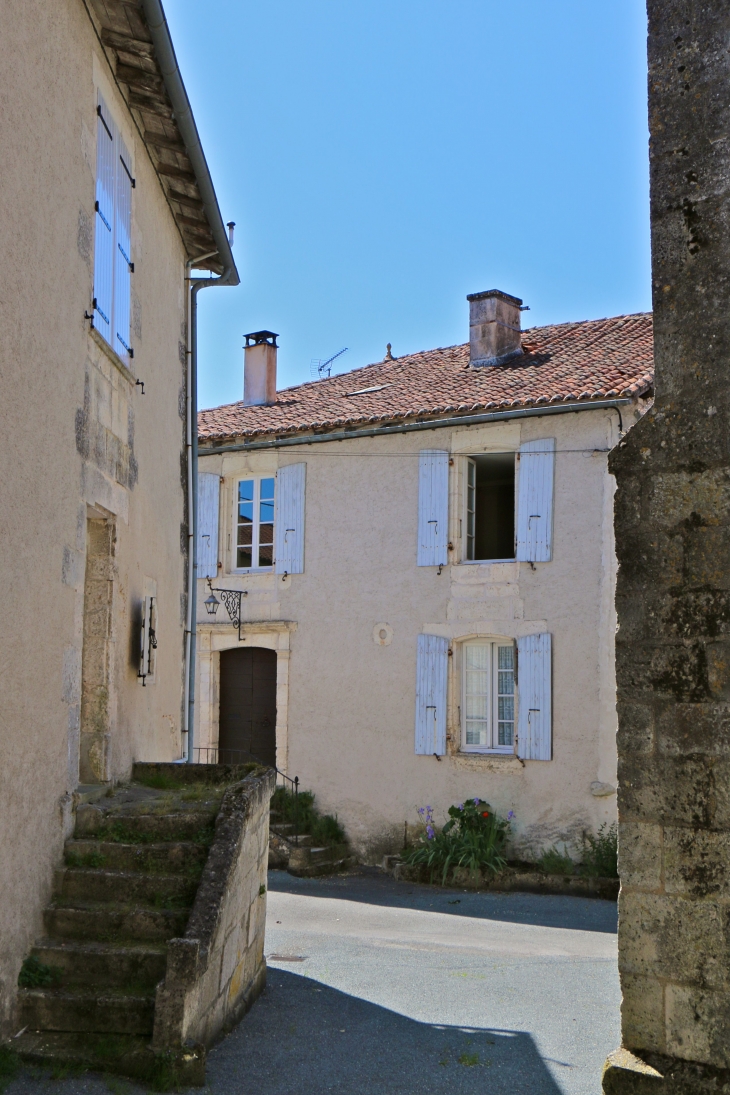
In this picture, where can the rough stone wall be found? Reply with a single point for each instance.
(217, 969)
(672, 515)
(97, 666)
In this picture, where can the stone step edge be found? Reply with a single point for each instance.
(98, 999)
(136, 1060)
(98, 946)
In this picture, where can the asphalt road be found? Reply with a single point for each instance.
(384, 988)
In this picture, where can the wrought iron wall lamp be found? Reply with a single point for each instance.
(231, 599)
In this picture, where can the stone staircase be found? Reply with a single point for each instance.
(299, 857)
(87, 995)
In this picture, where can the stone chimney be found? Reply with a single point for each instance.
(259, 369)
(494, 327)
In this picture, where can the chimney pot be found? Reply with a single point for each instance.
(494, 327)
(259, 369)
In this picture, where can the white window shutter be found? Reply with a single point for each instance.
(208, 503)
(433, 508)
(104, 222)
(122, 250)
(431, 675)
(535, 501)
(534, 698)
(289, 519)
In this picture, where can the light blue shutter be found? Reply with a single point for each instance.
(208, 503)
(433, 508)
(535, 501)
(104, 222)
(534, 698)
(122, 250)
(431, 674)
(289, 519)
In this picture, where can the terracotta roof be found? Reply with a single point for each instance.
(564, 363)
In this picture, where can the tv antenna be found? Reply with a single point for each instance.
(321, 370)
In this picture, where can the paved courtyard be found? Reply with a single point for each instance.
(378, 987)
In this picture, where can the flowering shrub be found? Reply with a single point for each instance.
(474, 837)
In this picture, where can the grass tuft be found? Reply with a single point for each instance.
(35, 974)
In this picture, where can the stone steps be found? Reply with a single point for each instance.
(308, 862)
(81, 963)
(95, 1012)
(90, 884)
(171, 857)
(188, 825)
(127, 1054)
(97, 920)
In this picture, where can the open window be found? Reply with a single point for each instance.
(490, 507)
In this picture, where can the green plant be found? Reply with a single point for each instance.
(554, 862)
(600, 852)
(9, 1066)
(473, 838)
(35, 974)
(300, 810)
(88, 859)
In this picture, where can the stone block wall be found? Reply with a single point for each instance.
(217, 969)
(672, 516)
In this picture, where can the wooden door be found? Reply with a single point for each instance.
(247, 719)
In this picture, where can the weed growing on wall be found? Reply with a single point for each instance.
(300, 810)
(599, 856)
(473, 838)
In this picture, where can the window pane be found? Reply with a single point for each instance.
(245, 511)
(476, 707)
(477, 657)
(477, 682)
(243, 557)
(476, 732)
(506, 733)
(506, 657)
(266, 534)
(506, 684)
(506, 708)
(245, 490)
(267, 489)
(244, 534)
(266, 511)
(266, 555)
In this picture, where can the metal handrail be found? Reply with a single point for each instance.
(214, 755)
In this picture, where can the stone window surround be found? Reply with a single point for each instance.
(214, 638)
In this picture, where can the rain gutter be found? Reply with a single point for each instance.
(430, 424)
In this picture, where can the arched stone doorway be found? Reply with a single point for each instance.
(247, 714)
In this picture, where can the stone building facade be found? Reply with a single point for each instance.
(105, 207)
(426, 587)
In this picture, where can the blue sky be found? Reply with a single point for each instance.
(382, 159)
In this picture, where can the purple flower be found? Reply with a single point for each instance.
(510, 815)
(477, 801)
(460, 806)
(421, 810)
(430, 832)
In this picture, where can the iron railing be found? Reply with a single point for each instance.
(212, 754)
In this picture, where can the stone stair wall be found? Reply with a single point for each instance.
(154, 939)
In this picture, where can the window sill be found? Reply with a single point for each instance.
(484, 562)
(488, 762)
(114, 357)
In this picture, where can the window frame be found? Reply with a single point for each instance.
(469, 536)
(257, 479)
(493, 747)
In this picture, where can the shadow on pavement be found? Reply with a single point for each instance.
(373, 887)
(302, 1036)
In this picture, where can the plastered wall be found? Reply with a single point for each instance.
(77, 441)
(348, 727)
